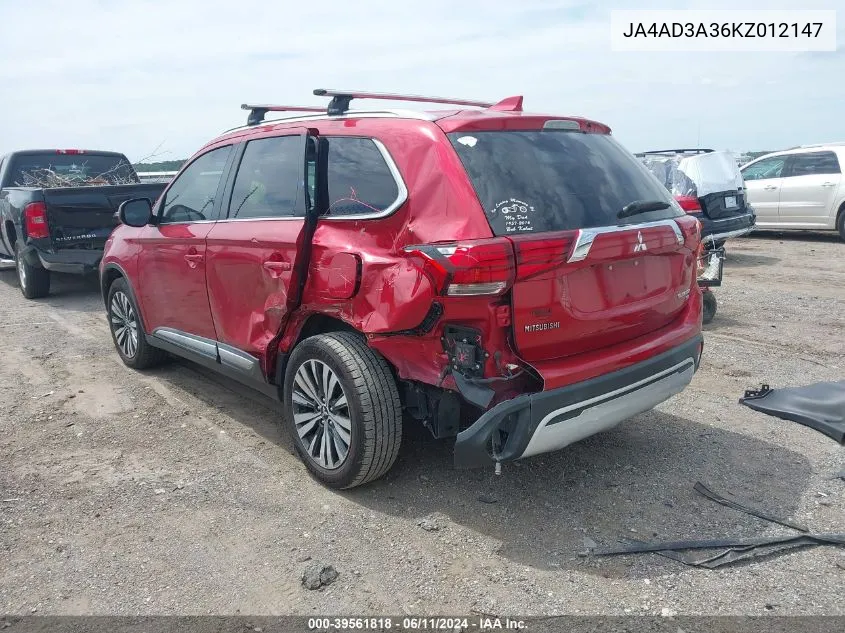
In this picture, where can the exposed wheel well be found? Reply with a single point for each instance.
(108, 278)
(314, 325)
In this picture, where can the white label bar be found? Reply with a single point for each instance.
(725, 31)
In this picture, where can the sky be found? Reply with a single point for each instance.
(164, 77)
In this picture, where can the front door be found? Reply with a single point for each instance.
(763, 181)
(252, 251)
(172, 259)
(809, 190)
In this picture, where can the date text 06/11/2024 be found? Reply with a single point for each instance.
(482, 623)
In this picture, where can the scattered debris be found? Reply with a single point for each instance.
(820, 406)
(737, 505)
(483, 498)
(11, 500)
(159, 491)
(737, 548)
(429, 524)
(303, 559)
(317, 575)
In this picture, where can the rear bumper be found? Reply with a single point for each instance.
(726, 228)
(550, 420)
(74, 261)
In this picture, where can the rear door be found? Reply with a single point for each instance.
(586, 277)
(252, 251)
(172, 257)
(808, 191)
(763, 181)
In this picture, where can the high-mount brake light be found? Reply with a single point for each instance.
(70, 151)
(470, 268)
(35, 220)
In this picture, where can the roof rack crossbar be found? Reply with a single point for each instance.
(258, 112)
(342, 98)
(695, 150)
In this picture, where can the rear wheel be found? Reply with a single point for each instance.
(34, 280)
(342, 409)
(127, 330)
(709, 306)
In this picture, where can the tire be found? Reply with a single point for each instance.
(709, 306)
(840, 223)
(127, 330)
(33, 280)
(373, 420)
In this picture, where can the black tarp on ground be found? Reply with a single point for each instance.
(820, 406)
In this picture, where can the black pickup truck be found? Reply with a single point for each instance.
(57, 207)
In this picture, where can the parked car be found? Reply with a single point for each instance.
(57, 207)
(800, 188)
(708, 185)
(522, 273)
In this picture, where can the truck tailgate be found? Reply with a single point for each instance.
(84, 217)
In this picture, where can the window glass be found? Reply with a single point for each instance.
(552, 180)
(268, 179)
(359, 180)
(767, 168)
(192, 195)
(813, 164)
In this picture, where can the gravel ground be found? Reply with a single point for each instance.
(174, 492)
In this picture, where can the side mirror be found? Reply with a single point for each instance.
(137, 212)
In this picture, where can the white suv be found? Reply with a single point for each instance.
(799, 188)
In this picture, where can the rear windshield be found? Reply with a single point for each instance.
(70, 170)
(553, 180)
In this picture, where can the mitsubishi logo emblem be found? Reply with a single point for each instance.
(640, 245)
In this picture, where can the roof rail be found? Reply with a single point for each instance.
(341, 99)
(258, 112)
(837, 143)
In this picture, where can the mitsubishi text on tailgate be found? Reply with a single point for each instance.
(515, 281)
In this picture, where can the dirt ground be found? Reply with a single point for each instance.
(174, 492)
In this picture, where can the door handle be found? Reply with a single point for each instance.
(276, 268)
(828, 184)
(770, 187)
(193, 259)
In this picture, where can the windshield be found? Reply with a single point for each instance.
(554, 180)
(71, 170)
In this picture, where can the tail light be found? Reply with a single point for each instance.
(690, 204)
(536, 256)
(35, 220)
(690, 229)
(470, 268)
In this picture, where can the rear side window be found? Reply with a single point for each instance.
(813, 164)
(268, 179)
(359, 180)
(764, 169)
(553, 180)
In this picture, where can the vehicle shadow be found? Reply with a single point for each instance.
(739, 259)
(79, 293)
(793, 236)
(635, 482)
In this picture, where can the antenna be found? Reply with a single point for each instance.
(258, 112)
(342, 98)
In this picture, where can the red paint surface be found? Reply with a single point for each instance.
(361, 274)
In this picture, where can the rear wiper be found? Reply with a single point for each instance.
(642, 206)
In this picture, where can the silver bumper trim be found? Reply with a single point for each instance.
(604, 412)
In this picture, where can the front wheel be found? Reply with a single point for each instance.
(34, 280)
(840, 223)
(127, 331)
(342, 409)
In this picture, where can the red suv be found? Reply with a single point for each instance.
(513, 280)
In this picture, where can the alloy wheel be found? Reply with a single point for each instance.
(321, 414)
(124, 324)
